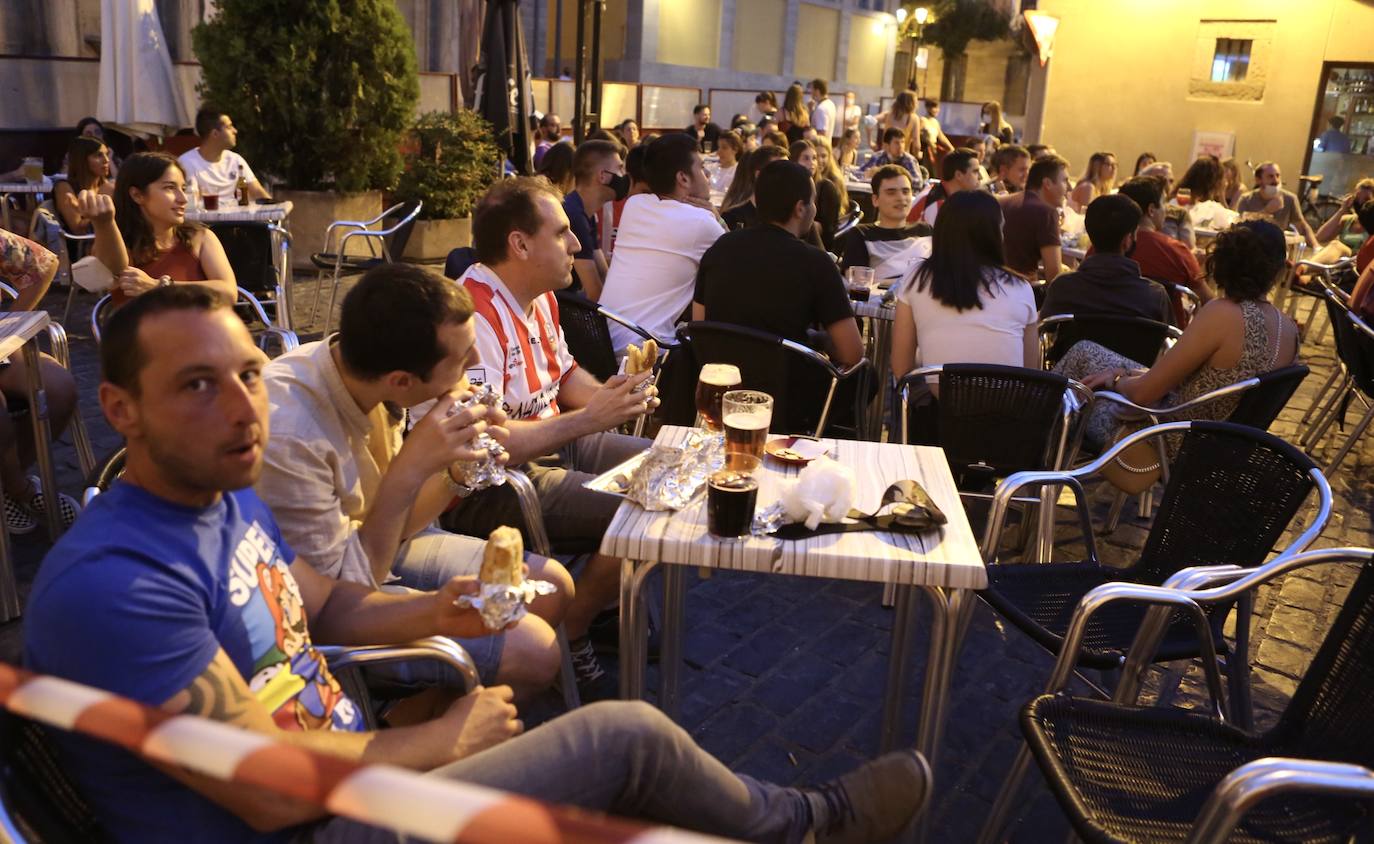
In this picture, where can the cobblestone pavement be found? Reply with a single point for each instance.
(784, 675)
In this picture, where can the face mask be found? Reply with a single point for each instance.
(620, 183)
(1269, 191)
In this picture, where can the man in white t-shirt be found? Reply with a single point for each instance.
(214, 165)
(661, 239)
(562, 419)
(822, 110)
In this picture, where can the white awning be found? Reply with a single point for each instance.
(139, 92)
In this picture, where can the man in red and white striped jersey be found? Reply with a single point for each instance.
(561, 417)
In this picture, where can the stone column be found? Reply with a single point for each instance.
(789, 38)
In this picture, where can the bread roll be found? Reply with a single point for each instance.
(503, 558)
(638, 359)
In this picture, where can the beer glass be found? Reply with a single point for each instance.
(730, 501)
(32, 169)
(715, 381)
(747, 415)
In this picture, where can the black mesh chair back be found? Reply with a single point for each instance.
(1231, 493)
(995, 420)
(458, 261)
(1260, 405)
(587, 335)
(1137, 338)
(249, 250)
(35, 792)
(1359, 356)
(1328, 717)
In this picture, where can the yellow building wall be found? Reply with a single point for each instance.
(689, 32)
(1120, 77)
(869, 36)
(612, 31)
(758, 36)
(818, 35)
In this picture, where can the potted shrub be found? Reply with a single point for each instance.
(322, 92)
(453, 160)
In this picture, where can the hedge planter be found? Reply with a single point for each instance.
(313, 211)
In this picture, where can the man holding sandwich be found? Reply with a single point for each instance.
(562, 419)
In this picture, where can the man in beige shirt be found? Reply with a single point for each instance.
(357, 500)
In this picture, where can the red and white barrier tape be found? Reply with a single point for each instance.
(431, 808)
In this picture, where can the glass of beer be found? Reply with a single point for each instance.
(32, 170)
(730, 500)
(715, 381)
(747, 415)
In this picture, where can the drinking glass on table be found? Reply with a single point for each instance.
(730, 501)
(747, 415)
(715, 381)
(860, 282)
(32, 170)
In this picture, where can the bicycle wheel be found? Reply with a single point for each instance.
(1319, 212)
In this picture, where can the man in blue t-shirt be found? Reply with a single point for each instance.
(175, 589)
(599, 173)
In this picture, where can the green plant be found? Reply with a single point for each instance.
(456, 160)
(954, 23)
(320, 90)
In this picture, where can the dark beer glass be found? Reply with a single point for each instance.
(730, 500)
(747, 415)
(715, 381)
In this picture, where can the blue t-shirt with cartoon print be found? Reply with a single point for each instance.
(137, 598)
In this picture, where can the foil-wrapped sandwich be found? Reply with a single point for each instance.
(503, 590)
(488, 470)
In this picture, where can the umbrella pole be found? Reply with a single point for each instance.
(580, 77)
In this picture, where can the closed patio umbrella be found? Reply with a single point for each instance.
(503, 86)
(139, 91)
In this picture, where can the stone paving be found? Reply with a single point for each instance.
(784, 675)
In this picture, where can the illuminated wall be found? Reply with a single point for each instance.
(869, 37)
(759, 36)
(818, 30)
(689, 32)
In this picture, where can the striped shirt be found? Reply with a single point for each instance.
(522, 354)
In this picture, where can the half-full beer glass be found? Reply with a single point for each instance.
(747, 415)
(715, 381)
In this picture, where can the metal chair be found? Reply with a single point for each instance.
(1337, 305)
(261, 258)
(390, 240)
(46, 214)
(1231, 494)
(1258, 402)
(1122, 772)
(992, 421)
(61, 352)
(1137, 338)
(803, 382)
(849, 220)
(1325, 275)
(1355, 348)
(1182, 299)
(247, 306)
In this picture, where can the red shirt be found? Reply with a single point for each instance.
(1365, 255)
(1164, 259)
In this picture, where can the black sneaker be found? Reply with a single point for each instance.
(874, 802)
(593, 683)
(604, 633)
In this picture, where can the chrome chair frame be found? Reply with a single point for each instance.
(1334, 406)
(357, 229)
(285, 336)
(1190, 590)
(1046, 325)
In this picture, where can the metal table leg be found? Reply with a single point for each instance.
(9, 590)
(42, 438)
(634, 628)
(902, 624)
(670, 635)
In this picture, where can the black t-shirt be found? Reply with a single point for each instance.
(710, 134)
(765, 278)
(869, 244)
(1106, 284)
(741, 216)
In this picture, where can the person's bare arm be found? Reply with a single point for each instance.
(108, 246)
(1030, 340)
(1332, 225)
(698, 312)
(472, 724)
(1305, 229)
(64, 200)
(1053, 259)
(215, 264)
(257, 191)
(591, 277)
(902, 357)
(845, 338)
(1199, 342)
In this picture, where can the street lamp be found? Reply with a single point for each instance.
(912, 25)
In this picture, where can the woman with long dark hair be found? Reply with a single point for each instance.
(1234, 337)
(962, 305)
(88, 168)
(793, 114)
(1204, 180)
(143, 237)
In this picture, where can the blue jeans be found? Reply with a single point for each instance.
(626, 758)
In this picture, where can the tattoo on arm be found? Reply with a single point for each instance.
(216, 695)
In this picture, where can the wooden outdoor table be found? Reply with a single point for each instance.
(18, 335)
(944, 565)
